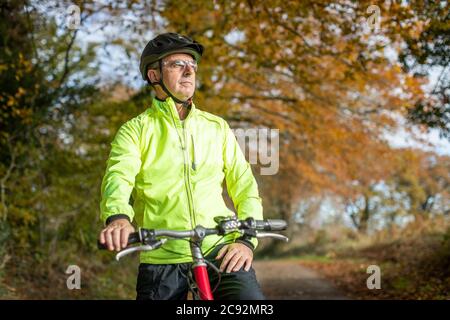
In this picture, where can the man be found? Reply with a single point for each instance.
(173, 159)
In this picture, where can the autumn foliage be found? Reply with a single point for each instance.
(336, 83)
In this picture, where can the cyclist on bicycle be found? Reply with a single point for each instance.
(173, 159)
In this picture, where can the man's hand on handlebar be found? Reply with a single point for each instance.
(235, 256)
(119, 234)
(115, 235)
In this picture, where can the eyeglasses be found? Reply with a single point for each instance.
(180, 65)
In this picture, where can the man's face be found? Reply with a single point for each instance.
(180, 80)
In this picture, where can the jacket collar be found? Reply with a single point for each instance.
(167, 108)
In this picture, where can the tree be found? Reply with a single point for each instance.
(39, 90)
(308, 68)
(425, 33)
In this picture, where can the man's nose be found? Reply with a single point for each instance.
(188, 70)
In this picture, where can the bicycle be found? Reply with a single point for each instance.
(199, 285)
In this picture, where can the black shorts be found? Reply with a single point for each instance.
(170, 282)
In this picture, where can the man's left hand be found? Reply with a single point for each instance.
(235, 256)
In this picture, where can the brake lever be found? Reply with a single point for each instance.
(271, 235)
(147, 247)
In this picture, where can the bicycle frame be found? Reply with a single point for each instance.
(200, 270)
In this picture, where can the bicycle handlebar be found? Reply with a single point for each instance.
(250, 228)
(271, 225)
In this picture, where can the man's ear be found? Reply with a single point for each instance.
(153, 75)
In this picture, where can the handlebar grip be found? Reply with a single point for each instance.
(271, 225)
(132, 239)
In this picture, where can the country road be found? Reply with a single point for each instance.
(287, 279)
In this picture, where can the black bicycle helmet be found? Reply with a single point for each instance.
(164, 45)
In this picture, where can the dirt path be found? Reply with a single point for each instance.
(287, 279)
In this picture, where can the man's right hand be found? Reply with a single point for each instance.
(115, 235)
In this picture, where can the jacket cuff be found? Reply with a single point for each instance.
(245, 242)
(117, 217)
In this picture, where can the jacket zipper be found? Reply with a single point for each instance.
(188, 175)
(194, 164)
(183, 142)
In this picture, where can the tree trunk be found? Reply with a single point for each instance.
(365, 216)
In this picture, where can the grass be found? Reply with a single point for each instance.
(101, 278)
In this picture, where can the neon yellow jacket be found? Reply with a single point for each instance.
(175, 171)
